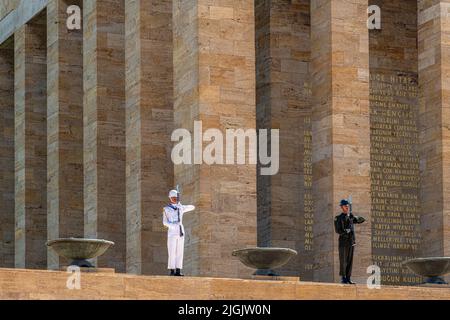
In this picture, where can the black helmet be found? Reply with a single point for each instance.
(343, 202)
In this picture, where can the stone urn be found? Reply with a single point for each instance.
(79, 250)
(433, 269)
(264, 259)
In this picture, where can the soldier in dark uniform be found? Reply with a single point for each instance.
(344, 226)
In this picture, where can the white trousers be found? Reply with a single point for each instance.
(175, 246)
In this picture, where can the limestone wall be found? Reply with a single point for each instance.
(394, 119)
(214, 82)
(285, 211)
(87, 151)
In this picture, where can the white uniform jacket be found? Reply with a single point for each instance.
(170, 218)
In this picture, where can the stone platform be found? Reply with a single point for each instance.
(42, 284)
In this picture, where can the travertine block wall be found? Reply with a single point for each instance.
(7, 154)
(65, 213)
(31, 144)
(149, 124)
(340, 127)
(104, 126)
(283, 102)
(434, 97)
(214, 81)
(394, 120)
(94, 110)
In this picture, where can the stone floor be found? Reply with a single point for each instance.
(42, 284)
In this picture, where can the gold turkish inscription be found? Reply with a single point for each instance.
(307, 185)
(394, 174)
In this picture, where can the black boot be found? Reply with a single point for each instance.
(350, 281)
(178, 273)
(344, 280)
(172, 272)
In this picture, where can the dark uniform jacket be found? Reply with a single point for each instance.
(345, 222)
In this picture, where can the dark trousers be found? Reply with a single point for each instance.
(346, 260)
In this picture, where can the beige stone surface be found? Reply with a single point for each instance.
(149, 124)
(395, 122)
(7, 154)
(214, 82)
(340, 129)
(283, 102)
(434, 95)
(28, 284)
(31, 144)
(104, 127)
(65, 213)
(93, 116)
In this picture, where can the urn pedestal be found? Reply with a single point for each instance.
(433, 268)
(264, 260)
(79, 250)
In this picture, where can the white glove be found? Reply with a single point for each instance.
(348, 230)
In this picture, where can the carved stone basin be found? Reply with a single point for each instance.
(79, 250)
(264, 259)
(431, 268)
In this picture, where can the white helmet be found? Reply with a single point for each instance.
(173, 194)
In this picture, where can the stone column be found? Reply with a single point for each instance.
(7, 154)
(31, 144)
(104, 126)
(214, 79)
(283, 102)
(340, 128)
(149, 109)
(394, 141)
(434, 118)
(64, 126)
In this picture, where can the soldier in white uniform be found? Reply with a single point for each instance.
(173, 220)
